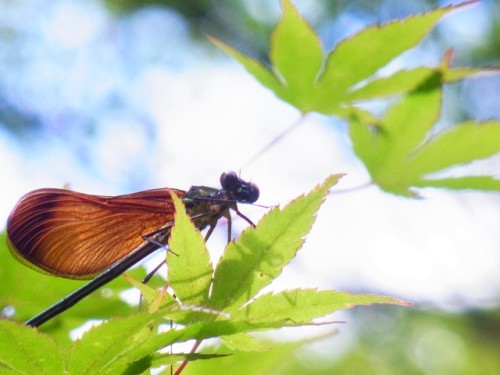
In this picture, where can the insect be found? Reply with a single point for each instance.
(81, 236)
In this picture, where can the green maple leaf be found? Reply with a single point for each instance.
(403, 149)
(304, 75)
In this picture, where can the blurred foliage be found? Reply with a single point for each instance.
(486, 51)
(389, 341)
(225, 19)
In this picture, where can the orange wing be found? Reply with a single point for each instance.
(76, 235)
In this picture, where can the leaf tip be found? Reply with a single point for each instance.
(447, 57)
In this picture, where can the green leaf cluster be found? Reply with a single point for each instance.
(223, 301)
(402, 148)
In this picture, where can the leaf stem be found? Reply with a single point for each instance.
(351, 189)
(185, 362)
(278, 138)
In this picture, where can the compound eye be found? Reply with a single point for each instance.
(252, 194)
(241, 191)
(229, 181)
(246, 192)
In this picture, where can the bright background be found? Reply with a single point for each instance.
(111, 98)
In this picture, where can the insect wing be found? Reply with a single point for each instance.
(76, 235)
